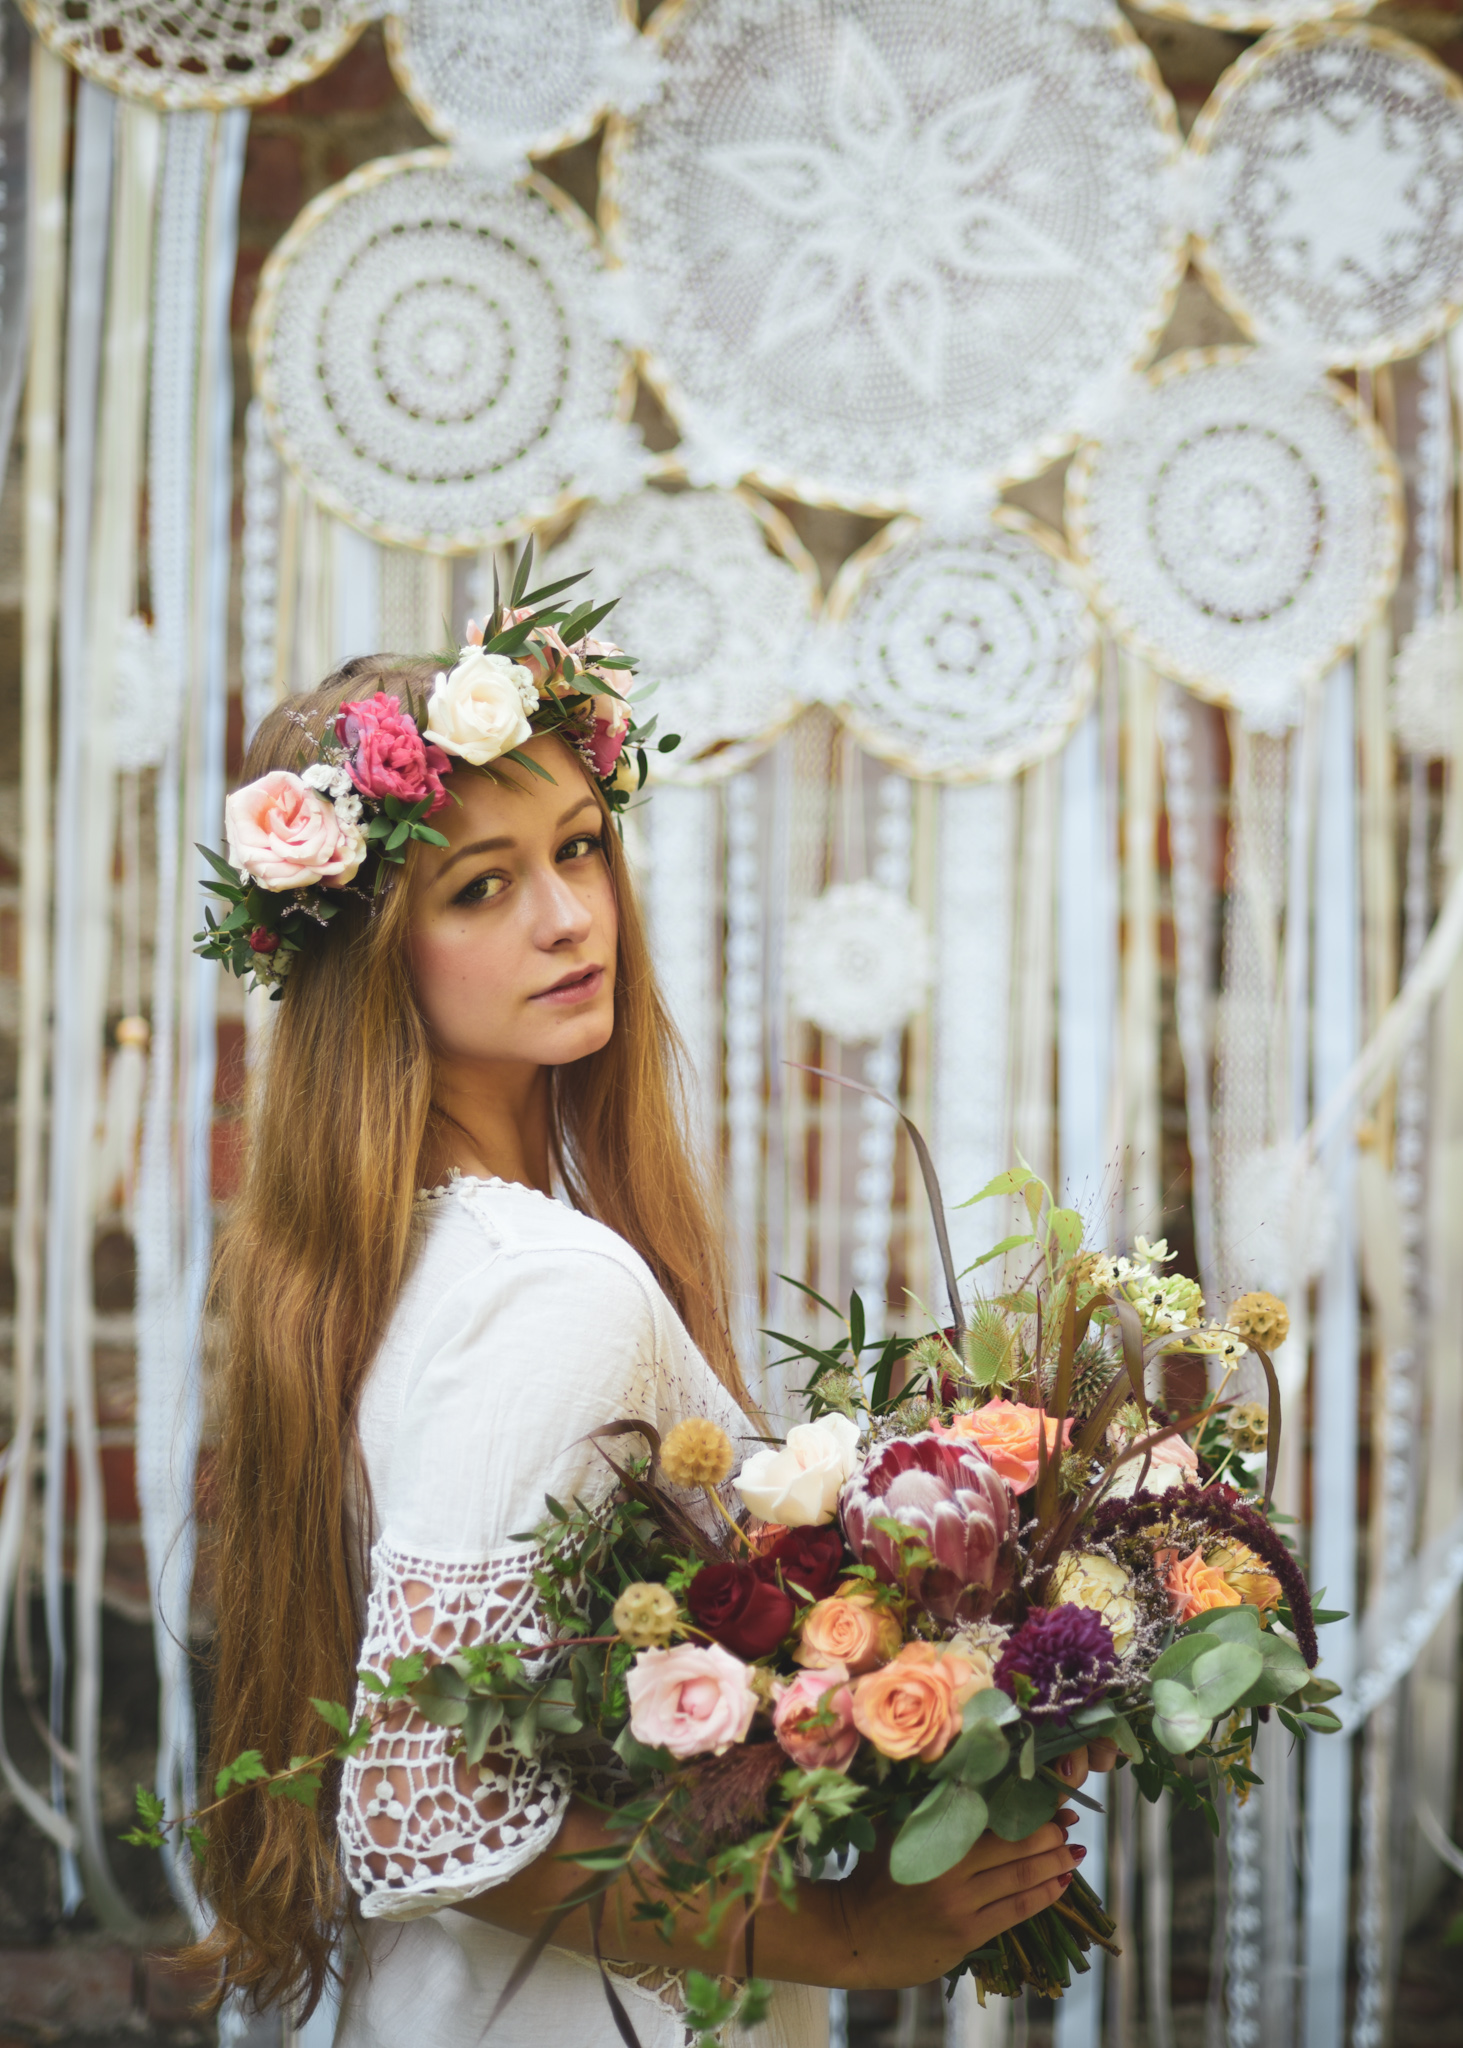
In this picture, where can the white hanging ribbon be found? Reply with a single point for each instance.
(259, 565)
(743, 1000)
(681, 899)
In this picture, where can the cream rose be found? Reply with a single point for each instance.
(288, 836)
(798, 1486)
(1084, 1578)
(481, 709)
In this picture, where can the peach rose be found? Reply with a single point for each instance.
(1245, 1574)
(1007, 1432)
(912, 1706)
(850, 1629)
(1193, 1586)
(813, 1720)
(288, 836)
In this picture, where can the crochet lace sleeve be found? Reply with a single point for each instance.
(419, 1828)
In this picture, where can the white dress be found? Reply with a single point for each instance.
(522, 1326)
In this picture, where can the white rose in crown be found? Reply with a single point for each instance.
(798, 1486)
(481, 709)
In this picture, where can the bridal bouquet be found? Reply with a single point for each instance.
(985, 1548)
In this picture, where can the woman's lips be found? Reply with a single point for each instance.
(577, 989)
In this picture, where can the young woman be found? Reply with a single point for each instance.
(470, 1232)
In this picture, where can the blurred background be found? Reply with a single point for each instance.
(1024, 435)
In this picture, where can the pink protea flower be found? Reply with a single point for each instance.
(953, 1497)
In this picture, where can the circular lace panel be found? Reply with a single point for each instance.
(197, 53)
(533, 76)
(427, 352)
(1330, 193)
(890, 250)
(962, 659)
(1243, 525)
(717, 622)
(1261, 14)
(1427, 677)
(857, 962)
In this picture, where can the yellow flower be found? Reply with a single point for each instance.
(1245, 1574)
(1261, 1319)
(697, 1453)
(1086, 1579)
(645, 1616)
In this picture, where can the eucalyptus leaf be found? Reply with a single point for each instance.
(975, 1757)
(1179, 1656)
(1231, 1624)
(1018, 1806)
(1179, 1722)
(990, 1704)
(945, 1826)
(1223, 1674)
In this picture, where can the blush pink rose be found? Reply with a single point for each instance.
(813, 1720)
(388, 756)
(690, 1699)
(288, 836)
(1007, 1432)
(544, 655)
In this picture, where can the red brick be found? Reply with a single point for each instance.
(72, 1987)
(9, 942)
(228, 1079)
(119, 1484)
(274, 178)
(228, 1157)
(246, 288)
(361, 83)
(171, 1995)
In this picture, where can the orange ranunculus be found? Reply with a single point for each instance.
(850, 1628)
(1245, 1574)
(1194, 1586)
(911, 1706)
(1007, 1432)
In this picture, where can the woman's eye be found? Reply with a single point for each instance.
(481, 889)
(584, 843)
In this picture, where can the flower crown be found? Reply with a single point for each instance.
(296, 843)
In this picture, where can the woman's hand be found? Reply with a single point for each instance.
(902, 1934)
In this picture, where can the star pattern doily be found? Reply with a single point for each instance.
(1243, 526)
(1427, 677)
(890, 250)
(431, 359)
(858, 962)
(1256, 14)
(1329, 193)
(717, 621)
(961, 658)
(532, 75)
(198, 53)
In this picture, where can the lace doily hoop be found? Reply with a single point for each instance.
(1261, 14)
(718, 619)
(1329, 193)
(964, 659)
(528, 78)
(198, 53)
(431, 360)
(892, 252)
(1427, 677)
(1242, 524)
(858, 961)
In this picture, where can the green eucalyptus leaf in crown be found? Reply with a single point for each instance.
(296, 843)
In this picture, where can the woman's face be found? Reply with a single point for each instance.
(513, 924)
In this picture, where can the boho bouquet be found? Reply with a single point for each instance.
(985, 1548)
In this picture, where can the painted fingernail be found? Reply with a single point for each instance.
(1079, 1852)
(1066, 1878)
(1066, 1817)
(1065, 1766)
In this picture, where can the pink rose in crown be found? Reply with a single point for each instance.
(288, 836)
(388, 756)
(544, 655)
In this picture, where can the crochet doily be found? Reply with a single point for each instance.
(962, 658)
(1243, 525)
(1329, 201)
(1242, 14)
(886, 251)
(525, 77)
(857, 962)
(1427, 677)
(431, 358)
(717, 621)
(198, 53)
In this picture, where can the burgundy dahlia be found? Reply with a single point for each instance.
(809, 1562)
(1067, 1653)
(951, 1497)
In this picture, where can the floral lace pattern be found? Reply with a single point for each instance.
(419, 1828)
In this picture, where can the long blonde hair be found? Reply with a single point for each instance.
(307, 1273)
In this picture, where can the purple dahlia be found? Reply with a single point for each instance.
(947, 1492)
(1067, 1653)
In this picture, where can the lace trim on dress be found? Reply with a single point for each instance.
(420, 1828)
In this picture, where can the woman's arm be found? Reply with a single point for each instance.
(864, 1933)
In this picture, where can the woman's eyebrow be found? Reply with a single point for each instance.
(585, 803)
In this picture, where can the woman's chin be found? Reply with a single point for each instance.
(575, 1038)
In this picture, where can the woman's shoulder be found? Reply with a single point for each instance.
(517, 1224)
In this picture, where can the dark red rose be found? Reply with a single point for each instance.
(739, 1610)
(261, 941)
(810, 1562)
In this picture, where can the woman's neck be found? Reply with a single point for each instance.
(492, 1120)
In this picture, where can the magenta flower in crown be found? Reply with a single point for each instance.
(1067, 1654)
(949, 1495)
(388, 756)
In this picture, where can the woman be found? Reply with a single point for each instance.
(408, 1373)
